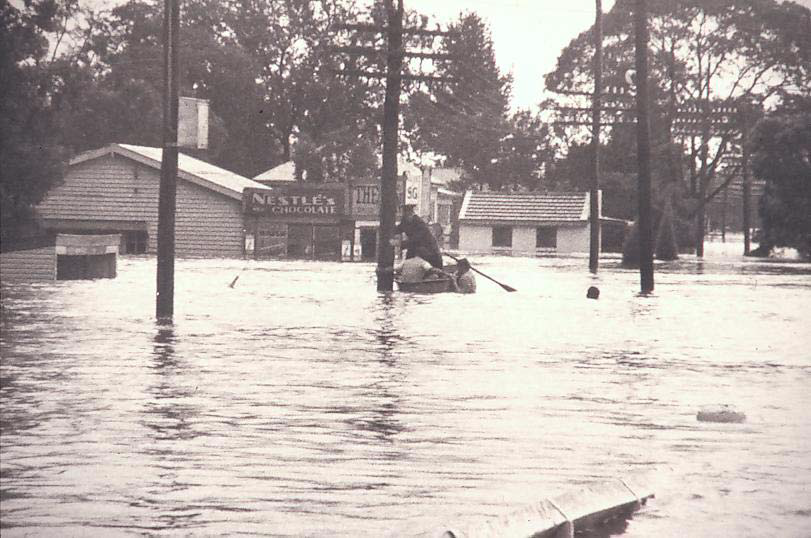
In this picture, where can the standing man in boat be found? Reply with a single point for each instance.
(420, 241)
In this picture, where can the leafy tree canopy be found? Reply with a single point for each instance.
(30, 153)
(782, 157)
(464, 120)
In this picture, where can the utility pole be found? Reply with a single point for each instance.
(391, 120)
(394, 76)
(594, 203)
(643, 148)
(747, 188)
(168, 183)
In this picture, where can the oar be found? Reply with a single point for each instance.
(505, 286)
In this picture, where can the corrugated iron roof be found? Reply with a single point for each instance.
(525, 207)
(189, 168)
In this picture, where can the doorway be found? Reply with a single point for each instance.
(368, 244)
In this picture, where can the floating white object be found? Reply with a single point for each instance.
(585, 509)
(720, 413)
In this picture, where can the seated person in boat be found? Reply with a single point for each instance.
(463, 280)
(420, 242)
(416, 270)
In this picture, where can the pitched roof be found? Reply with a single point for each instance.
(445, 175)
(283, 172)
(533, 207)
(194, 170)
(287, 171)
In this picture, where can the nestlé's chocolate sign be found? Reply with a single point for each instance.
(295, 202)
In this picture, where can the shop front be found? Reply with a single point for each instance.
(300, 222)
(364, 209)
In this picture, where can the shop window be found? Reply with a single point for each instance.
(502, 236)
(135, 242)
(326, 243)
(546, 237)
(300, 240)
(271, 241)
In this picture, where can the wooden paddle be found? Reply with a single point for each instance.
(504, 286)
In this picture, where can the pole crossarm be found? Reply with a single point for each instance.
(607, 91)
(381, 75)
(371, 51)
(378, 28)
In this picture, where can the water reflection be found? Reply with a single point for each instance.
(293, 406)
(383, 413)
(613, 527)
(385, 330)
(168, 413)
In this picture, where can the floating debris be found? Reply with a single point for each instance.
(720, 413)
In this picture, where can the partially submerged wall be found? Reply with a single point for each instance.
(61, 257)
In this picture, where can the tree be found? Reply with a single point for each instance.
(291, 43)
(782, 157)
(465, 120)
(525, 152)
(703, 54)
(339, 159)
(30, 153)
(117, 95)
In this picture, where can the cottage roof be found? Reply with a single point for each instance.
(560, 207)
(194, 170)
(283, 172)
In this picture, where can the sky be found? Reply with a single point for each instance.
(528, 35)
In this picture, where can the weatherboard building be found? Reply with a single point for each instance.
(114, 190)
(524, 223)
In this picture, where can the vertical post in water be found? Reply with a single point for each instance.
(168, 183)
(594, 203)
(747, 192)
(643, 148)
(391, 120)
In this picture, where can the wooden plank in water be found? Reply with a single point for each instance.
(559, 517)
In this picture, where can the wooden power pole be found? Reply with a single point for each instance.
(746, 187)
(594, 202)
(391, 120)
(394, 76)
(643, 148)
(168, 183)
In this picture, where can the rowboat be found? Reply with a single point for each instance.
(433, 285)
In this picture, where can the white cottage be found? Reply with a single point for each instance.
(524, 223)
(115, 190)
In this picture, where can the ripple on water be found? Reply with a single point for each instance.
(301, 402)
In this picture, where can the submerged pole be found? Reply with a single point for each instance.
(165, 295)
(746, 187)
(594, 201)
(391, 119)
(643, 148)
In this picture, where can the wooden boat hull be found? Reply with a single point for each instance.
(438, 285)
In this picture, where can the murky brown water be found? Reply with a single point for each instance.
(302, 403)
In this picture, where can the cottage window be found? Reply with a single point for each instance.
(546, 237)
(135, 242)
(502, 236)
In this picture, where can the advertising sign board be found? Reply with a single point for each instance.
(365, 197)
(192, 123)
(310, 202)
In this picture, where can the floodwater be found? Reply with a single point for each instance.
(301, 402)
